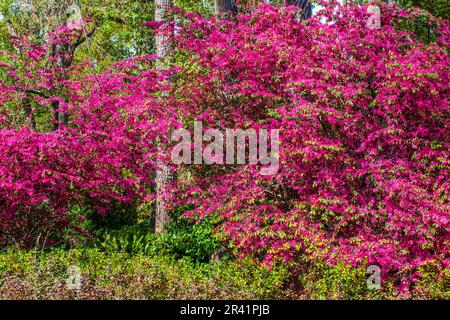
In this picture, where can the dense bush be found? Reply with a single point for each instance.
(103, 158)
(364, 149)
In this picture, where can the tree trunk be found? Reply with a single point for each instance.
(305, 5)
(163, 175)
(224, 6)
(219, 7)
(162, 39)
(63, 53)
(29, 112)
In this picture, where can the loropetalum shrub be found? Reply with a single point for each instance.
(364, 151)
(104, 155)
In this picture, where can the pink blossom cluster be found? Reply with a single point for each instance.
(364, 125)
(104, 155)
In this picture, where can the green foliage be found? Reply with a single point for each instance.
(118, 275)
(121, 214)
(434, 282)
(105, 275)
(183, 239)
(340, 281)
(120, 33)
(128, 239)
(422, 25)
(318, 280)
(205, 7)
(438, 8)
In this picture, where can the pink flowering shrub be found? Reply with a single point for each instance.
(364, 151)
(104, 155)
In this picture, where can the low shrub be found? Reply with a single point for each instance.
(107, 275)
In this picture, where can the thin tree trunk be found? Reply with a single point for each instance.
(163, 174)
(63, 53)
(163, 177)
(305, 5)
(219, 7)
(162, 39)
(29, 111)
(224, 6)
(60, 53)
